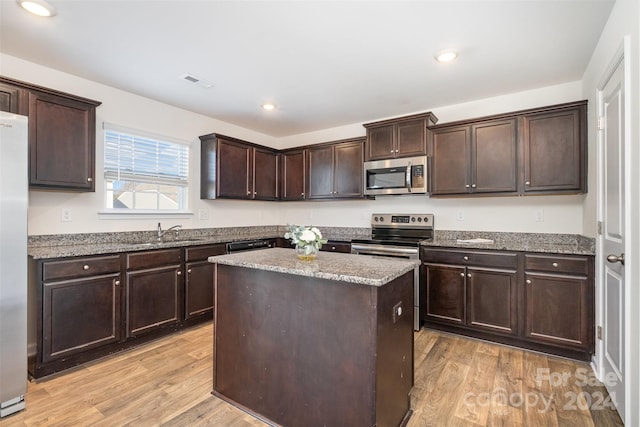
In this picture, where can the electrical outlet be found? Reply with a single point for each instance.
(460, 215)
(539, 215)
(203, 214)
(65, 215)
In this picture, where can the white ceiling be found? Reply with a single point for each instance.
(323, 63)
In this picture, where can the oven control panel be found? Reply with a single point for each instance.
(402, 220)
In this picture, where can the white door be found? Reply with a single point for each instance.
(612, 215)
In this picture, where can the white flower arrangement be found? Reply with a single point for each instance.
(304, 236)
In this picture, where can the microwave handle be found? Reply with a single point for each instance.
(408, 177)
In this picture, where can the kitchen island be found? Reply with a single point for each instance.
(326, 342)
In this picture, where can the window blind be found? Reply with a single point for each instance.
(143, 159)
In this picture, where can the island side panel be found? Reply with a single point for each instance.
(394, 364)
(293, 349)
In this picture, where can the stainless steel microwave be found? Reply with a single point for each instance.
(396, 176)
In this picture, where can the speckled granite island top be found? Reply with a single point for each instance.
(359, 269)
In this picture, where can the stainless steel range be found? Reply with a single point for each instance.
(399, 236)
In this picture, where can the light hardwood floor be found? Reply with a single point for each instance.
(458, 382)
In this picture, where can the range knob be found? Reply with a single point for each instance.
(419, 219)
(375, 218)
(426, 219)
(413, 219)
(381, 219)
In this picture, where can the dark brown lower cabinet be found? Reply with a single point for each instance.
(559, 301)
(542, 302)
(198, 289)
(84, 308)
(74, 310)
(80, 314)
(154, 290)
(479, 297)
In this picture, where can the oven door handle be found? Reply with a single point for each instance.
(384, 251)
(408, 177)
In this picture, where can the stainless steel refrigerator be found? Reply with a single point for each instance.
(14, 192)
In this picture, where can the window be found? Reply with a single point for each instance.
(144, 173)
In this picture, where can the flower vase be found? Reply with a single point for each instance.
(306, 253)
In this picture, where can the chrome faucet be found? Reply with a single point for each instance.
(161, 232)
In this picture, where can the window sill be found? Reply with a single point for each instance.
(116, 214)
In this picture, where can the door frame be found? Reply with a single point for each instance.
(632, 242)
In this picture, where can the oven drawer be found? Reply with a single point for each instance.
(470, 257)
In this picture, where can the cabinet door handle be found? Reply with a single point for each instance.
(117, 282)
(555, 264)
(396, 151)
(528, 281)
(468, 274)
(189, 271)
(466, 258)
(85, 267)
(527, 183)
(302, 194)
(473, 186)
(461, 274)
(466, 186)
(248, 193)
(255, 193)
(179, 273)
(89, 179)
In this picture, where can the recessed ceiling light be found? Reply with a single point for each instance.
(268, 107)
(38, 7)
(446, 56)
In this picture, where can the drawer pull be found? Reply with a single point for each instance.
(555, 264)
(466, 258)
(333, 248)
(89, 179)
(85, 267)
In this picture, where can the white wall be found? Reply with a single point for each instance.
(623, 26)
(562, 214)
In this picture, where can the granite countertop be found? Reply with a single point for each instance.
(70, 245)
(359, 269)
(525, 242)
(86, 244)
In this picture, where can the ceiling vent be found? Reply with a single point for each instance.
(196, 81)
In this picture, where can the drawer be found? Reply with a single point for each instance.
(557, 264)
(342, 247)
(469, 257)
(80, 267)
(149, 259)
(199, 253)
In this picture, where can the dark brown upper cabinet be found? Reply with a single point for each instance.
(537, 151)
(555, 149)
(401, 137)
(293, 175)
(62, 135)
(474, 158)
(236, 169)
(13, 99)
(335, 170)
